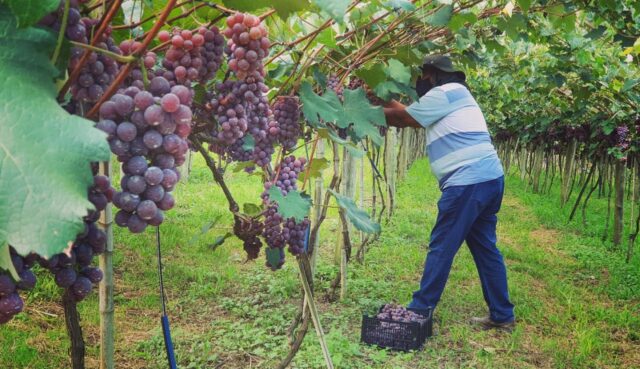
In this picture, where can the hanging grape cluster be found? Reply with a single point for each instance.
(192, 57)
(147, 131)
(100, 70)
(286, 112)
(278, 231)
(11, 302)
(245, 127)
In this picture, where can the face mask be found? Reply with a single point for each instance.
(423, 86)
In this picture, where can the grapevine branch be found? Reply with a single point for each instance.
(104, 23)
(217, 176)
(124, 72)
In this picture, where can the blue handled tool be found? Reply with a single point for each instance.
(166, 331)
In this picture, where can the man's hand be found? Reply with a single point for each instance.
(397, 116)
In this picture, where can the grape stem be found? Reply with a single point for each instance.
(110, 54)
(63, 30)
(233, 205)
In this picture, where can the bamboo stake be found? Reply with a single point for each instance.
(107, 323)
(315, 317)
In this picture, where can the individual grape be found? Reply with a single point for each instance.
(65, 277)
(159, 86)
(136, 165)
(154, 193)
(136, 184)
(81, 288)
(27, 280)
(129, 201)
(152, 139)
(7, 285)
(107, 126)
(136, 224)
(167, 202)
(170, 178)
(84, 254)
(11, 305)
(122, 218)
(147, 209)
(157, 219)
(154, 115)
(154, 176)
(95, 275)
(170, 102)
(143, 100)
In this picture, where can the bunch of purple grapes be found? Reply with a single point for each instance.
(11, 302)
(399, 313)
(333, 83)
(355, 83)
(192, 57)
(278, 231)
(229, 111)
(247, 45)
(74, 271)
(286, 112)
(622, 138)
(147, 131)
(261, 121)
(100, 70)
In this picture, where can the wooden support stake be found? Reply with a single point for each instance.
(107, 322)
(315, 317)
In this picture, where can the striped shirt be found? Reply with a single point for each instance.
(458, 142)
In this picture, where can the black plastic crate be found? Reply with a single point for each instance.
(397, 335)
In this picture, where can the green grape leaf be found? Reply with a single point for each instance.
(317, 166)
(400, 4)
(249, 142)
(204, 230)
(399, 71)
(219, 241)
(6, 263)
(460, 19)
(335, 8)
(247, 5)
(327, 38)
(315, 107)
(252, 209)
(274, 255)
(630, 84)
(242, 165)
(44, 151)
(350, 146)
(358, 217)
(524, 5)
(441, 17)
(372, 76)
(596, 33)
(285, 8)
(29, 12)
(294, 205)
(365, 117)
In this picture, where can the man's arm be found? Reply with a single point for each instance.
(397, 115)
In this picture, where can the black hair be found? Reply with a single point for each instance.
(443, 77)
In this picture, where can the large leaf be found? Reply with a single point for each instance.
(6, 263)
(460, 19)
(398, 71)
(365, 117)
(44, 151)
(335, 8)
(441, 17)
(315, 107)
(29, 12)
(373, 75)
(284, 8)
(358, 217)
(317, 166)
(294, 205)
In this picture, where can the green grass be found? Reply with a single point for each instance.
(577, 302)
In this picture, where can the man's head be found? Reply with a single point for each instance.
(437, 70)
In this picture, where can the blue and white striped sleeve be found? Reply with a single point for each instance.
(431, 107)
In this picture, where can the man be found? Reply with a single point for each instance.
(471, 179)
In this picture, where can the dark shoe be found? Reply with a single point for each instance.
(486, 323)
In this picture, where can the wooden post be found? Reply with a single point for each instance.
(348, 189)
(569, 163)
(390, 167)
(317, 200)
(107, 323)
(361, 179)
(618, 220)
